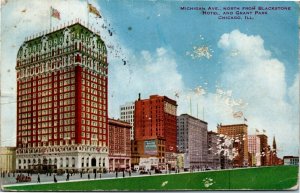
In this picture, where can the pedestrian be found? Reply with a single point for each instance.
(100, 175)
(81, 174)
(123, 174)
(55, 180)
(129, 172)
(68, 176)
(89, 176)
(18, 177)
(116, 174)
(38, 179)
(95, 175)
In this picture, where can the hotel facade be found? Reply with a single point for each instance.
(62, 118)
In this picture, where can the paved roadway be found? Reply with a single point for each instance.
(62, 178)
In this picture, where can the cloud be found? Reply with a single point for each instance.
(258, 78)
(293, 91)
(148, 73)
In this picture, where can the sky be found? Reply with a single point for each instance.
(212, 67)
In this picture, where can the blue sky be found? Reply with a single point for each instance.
(162, 24)
(253, 67)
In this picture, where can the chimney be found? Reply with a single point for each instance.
(139, 96)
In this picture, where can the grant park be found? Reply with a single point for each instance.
(259, 178)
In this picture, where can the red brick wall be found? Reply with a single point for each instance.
(152, 122)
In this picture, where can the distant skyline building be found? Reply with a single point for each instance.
(271, 154)
(62, 101)
(192, 140)
(127, 115)
(291, 160)
(254, 149)
(239, 132)
(119, 145)
(263, 148)
(7, 159)
(155, 126)
(213, 155)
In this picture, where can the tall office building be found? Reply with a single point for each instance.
(192, 140)
(127, 115)
(239, 133)
(155, 126)
(254, 149)
(62, 101)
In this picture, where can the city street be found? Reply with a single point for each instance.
(62, 178)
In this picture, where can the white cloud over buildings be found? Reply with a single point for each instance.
(258, 78)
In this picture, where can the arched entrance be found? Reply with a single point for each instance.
(93, 162)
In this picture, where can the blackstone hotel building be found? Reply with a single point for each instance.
(62, 119)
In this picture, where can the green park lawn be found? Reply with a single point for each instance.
(262, 178)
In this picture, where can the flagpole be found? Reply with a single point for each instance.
(191, 106)
(50, 18)
(87, 13)
(197, 111)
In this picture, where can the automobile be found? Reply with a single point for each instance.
(143, 172)
(157, 171)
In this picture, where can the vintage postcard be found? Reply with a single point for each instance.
(149, 95)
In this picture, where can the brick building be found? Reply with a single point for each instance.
(263, 148)
(271, 155)
(119, 145)
(62, 101)
(274, 159)
(239, 132)
(155, 127)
